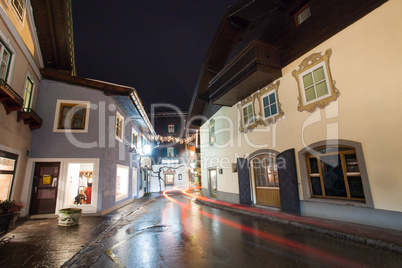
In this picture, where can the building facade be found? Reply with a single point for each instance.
(291, 111)
(21, 61)
(88, 152)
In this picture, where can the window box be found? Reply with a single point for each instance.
(314, 81)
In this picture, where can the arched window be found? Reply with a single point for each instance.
(265, 171)
(334, 172)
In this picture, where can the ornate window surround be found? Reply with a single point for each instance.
(308, 63)
(271, 119)
(246, 102)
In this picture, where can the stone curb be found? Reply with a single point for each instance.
(89, 245)
(338, 234)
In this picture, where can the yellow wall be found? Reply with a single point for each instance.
(366, 64)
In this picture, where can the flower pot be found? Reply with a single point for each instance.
(5, 222)
(69, 216)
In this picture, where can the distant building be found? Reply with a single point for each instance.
(175, 155)
(300, 101)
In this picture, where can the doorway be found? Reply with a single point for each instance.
(266, 180)
(213, 182)
(44, 188)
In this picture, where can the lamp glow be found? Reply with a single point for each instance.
(147, 149)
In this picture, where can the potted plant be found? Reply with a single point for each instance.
(9, 211)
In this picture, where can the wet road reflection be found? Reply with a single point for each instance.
(177, 232)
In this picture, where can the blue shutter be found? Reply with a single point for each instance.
(164, 151)
(175, 128)
(175, 151)
(167, 128)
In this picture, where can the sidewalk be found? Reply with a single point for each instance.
(42, 243)
(390, 240)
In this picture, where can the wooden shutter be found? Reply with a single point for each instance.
(243, 174)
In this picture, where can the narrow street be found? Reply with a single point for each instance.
(178, 232)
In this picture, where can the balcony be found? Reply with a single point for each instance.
(9, 98)
(253, 68)
(30, 117)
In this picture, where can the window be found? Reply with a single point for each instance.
(334, 172)
(265, 171)
(71, 115)
(171, 151)
(80, 182)
(169, 179)
(19, 7)
(172, 128)
(211, 127)
(8, 162)
(5, 59)
(121, 182)
(270, 107)
(248, 115)
(119, 126)
(134, 138)
(316, 88)
(28, 92)
(302, 14)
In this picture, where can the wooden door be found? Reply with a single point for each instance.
(213, 182)
(266, 181)
(44, 188)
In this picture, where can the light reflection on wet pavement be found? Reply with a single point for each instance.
(185, 234)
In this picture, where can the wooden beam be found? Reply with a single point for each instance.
(52, 33)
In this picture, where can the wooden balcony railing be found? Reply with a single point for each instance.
(30, 117)
(9, 98)
(254, 67)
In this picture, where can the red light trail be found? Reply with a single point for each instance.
(289, 244)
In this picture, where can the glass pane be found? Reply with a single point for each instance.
(80, 182)
(267, 112)
(264, 180)
(78, 123)
(322, 89)
(308, 80)
(276, 180)
(121, 182)
(319, 74)
(245, 111)
(79, 111)
(7, 164)
(265, 101)
(310, 94)
(351, 163)
(66, 110)
(356, 187)
(274, 109)
(272, 98)
(316, 186)
(313, 165)
(5, 183)
(332, 174)
(271, 180)
(3, 69)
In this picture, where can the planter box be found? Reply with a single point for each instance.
(7, 220)
(69, 216)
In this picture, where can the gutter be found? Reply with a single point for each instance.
(140, 108)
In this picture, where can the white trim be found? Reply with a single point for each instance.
(57, 113)
(242, 113)
(17, 38)
(310, 70)
(276, 103)
(119, 116)
(13, 55)
(61, 189)
(119, 198)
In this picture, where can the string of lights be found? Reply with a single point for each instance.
(172, 139)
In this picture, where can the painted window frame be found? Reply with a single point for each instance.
(119, 127)
(168, 150)
(308, 65)
(126, 194)
(29, 80)
(171, 128)
(246, 103)
(59, 104)
(264, 92)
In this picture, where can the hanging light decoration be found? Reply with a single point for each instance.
(172, 139)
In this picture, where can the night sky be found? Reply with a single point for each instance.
(155, 46)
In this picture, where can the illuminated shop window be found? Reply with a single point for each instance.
(121, 182)
(80, 183)
(8, 163)
(169, 179)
